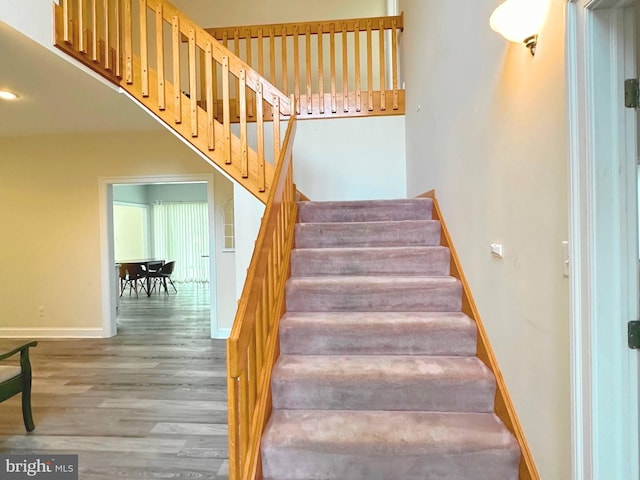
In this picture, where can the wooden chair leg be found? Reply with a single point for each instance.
(27, 415)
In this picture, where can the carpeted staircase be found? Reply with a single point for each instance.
(377, 376)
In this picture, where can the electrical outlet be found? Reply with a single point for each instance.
(41, 310)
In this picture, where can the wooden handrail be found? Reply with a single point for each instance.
(280, 29)
(252, 348)
(503, 406)
(137, 44)
(316, 44)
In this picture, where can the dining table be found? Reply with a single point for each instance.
(149, 264)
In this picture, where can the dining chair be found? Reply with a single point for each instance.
(162, 275)
(16, 379)
(136, 278)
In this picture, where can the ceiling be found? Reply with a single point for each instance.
(57, 97)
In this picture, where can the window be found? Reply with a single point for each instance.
(229, 225)
(181, 233)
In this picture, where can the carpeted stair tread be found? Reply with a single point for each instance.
(380, 445)
(426, 261)
(370, 333)
(365, 210)
(382, 382)
(368, 234)
(378, 377)
(373, 294)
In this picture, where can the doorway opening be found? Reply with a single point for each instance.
(203, 269)
(601, 54)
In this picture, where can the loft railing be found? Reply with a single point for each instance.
(253, 348)
(341, 68)
(183, 75)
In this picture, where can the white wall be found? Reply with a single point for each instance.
(225, 276)
(351, 158)
(491, 137)
(220, 13)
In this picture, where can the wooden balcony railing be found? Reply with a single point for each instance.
(253, 347)
(337, 68)
(183, 75)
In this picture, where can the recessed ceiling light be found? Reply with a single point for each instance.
(7, 95)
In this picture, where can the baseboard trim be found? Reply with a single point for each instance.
(52, 333)
(221, 333)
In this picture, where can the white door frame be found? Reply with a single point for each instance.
(603, 240)
(107, 259)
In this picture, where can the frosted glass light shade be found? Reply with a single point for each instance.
(517, 20)
(7, 95)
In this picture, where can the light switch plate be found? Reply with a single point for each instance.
(565, 258)
(497, 250)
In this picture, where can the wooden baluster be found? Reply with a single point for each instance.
(272, 56)
(283, 42)
(128, 55)
(394, 61)
(82, 46)
(296, 67)
(232, 405)
(260, 342)
(276, 130)
(356, 47)
(118, 34)
(226, 110)
(144, 54)
(193, 82)
(225, 39)
(260, 133)
(243, 124)
(107, 35)
(245, 416)
(332, 54)
(94, 28)
(255, 375)
(345, 70)
(320, 70)
(369, 68)
(160, 57)
(177, 90)
(260, 53)
(236, 51)
(252, 99)
(383, 85)
(307, 34)
(208, 67)
(202, 95)
(66, 20)
(214, 76)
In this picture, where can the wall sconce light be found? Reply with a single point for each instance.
(520, 21)
(8, 95)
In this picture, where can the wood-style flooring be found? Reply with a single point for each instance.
(148, 403)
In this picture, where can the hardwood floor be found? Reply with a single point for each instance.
(149, 403)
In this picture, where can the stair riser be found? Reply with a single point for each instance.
(377, 340)
(429, 395)
(388, 297)
(407, 261)
(374, 211)
(321, 235)
(300, 464)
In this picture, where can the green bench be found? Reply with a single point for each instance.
(14, 379)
